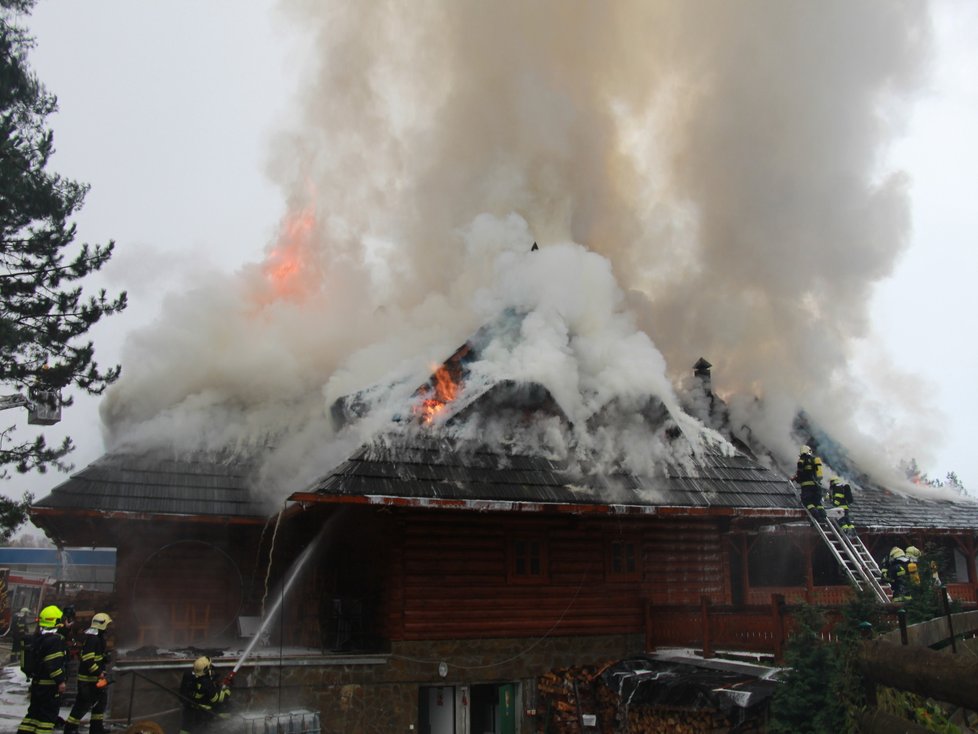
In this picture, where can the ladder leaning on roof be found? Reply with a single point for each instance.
(852, 555)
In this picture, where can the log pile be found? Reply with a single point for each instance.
(568, 695)
(657, 720)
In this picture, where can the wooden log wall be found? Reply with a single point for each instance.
(172, 589)
(451, 577)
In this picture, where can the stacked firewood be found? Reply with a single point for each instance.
(656, 720)
(566, 696)
(569, 697)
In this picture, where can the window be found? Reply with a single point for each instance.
(527, 560)
(776, 561)
(622, 560)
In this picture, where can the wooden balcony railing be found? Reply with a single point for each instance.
(753, 628)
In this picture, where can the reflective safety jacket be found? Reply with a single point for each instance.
(52, 652)
(896, 569)
(202, 692)
(841, 495)
(809, 472)
(94, 657)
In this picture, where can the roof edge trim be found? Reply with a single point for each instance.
(313, 498)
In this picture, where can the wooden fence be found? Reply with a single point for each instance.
(754, 628)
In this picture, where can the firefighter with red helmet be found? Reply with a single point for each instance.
(44, 659)
(92, 683)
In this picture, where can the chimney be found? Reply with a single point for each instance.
(701, 371)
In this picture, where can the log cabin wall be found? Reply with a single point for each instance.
(463, 575)
(182, 584)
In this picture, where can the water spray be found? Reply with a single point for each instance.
(297, 566)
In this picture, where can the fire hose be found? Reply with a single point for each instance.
(171, 691)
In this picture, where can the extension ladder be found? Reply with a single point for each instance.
(852, 555)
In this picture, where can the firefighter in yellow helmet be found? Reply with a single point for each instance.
(894, 571)
(809, 477)
(92, 693)
(204, 697)
(913, 564)
(840, 494)
(44, 660)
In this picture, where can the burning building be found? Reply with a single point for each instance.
(544, 497)
(482, 539)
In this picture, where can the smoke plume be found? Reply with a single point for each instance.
(703, 179)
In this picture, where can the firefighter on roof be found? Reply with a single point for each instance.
(92, 683)
(841, 495)
(809, 478)
(44, 659)
(204, 698)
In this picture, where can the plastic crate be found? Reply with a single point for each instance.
(300, 721)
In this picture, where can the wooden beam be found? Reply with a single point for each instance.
(938, 675)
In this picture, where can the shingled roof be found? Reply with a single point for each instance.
(430, 469)
(876, 508)
(152, 486)
(881, 510)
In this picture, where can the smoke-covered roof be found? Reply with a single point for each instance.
(428, 469)
(154, 484)
(876, 507)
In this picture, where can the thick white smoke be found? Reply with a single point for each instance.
(718, 162)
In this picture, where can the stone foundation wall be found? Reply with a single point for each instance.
(379, 694)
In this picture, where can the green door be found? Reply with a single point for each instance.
(507, 708)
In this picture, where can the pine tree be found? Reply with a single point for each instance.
(43, 314)
(13, 514)
(804, 699)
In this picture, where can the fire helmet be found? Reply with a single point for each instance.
(100, 621)
(834, 482)
(25, 611)
(912, 552)
(49, 617)
(806, 450)
(202, 665)
(896, 552)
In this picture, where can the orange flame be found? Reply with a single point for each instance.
(290, 268)
(445, 387)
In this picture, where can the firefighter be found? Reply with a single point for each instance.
(913, 564)
(809, 478)
(840, 493)
(92, 683)
(20, 630)
(894, 572)
(204, 698)
(49, 672)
